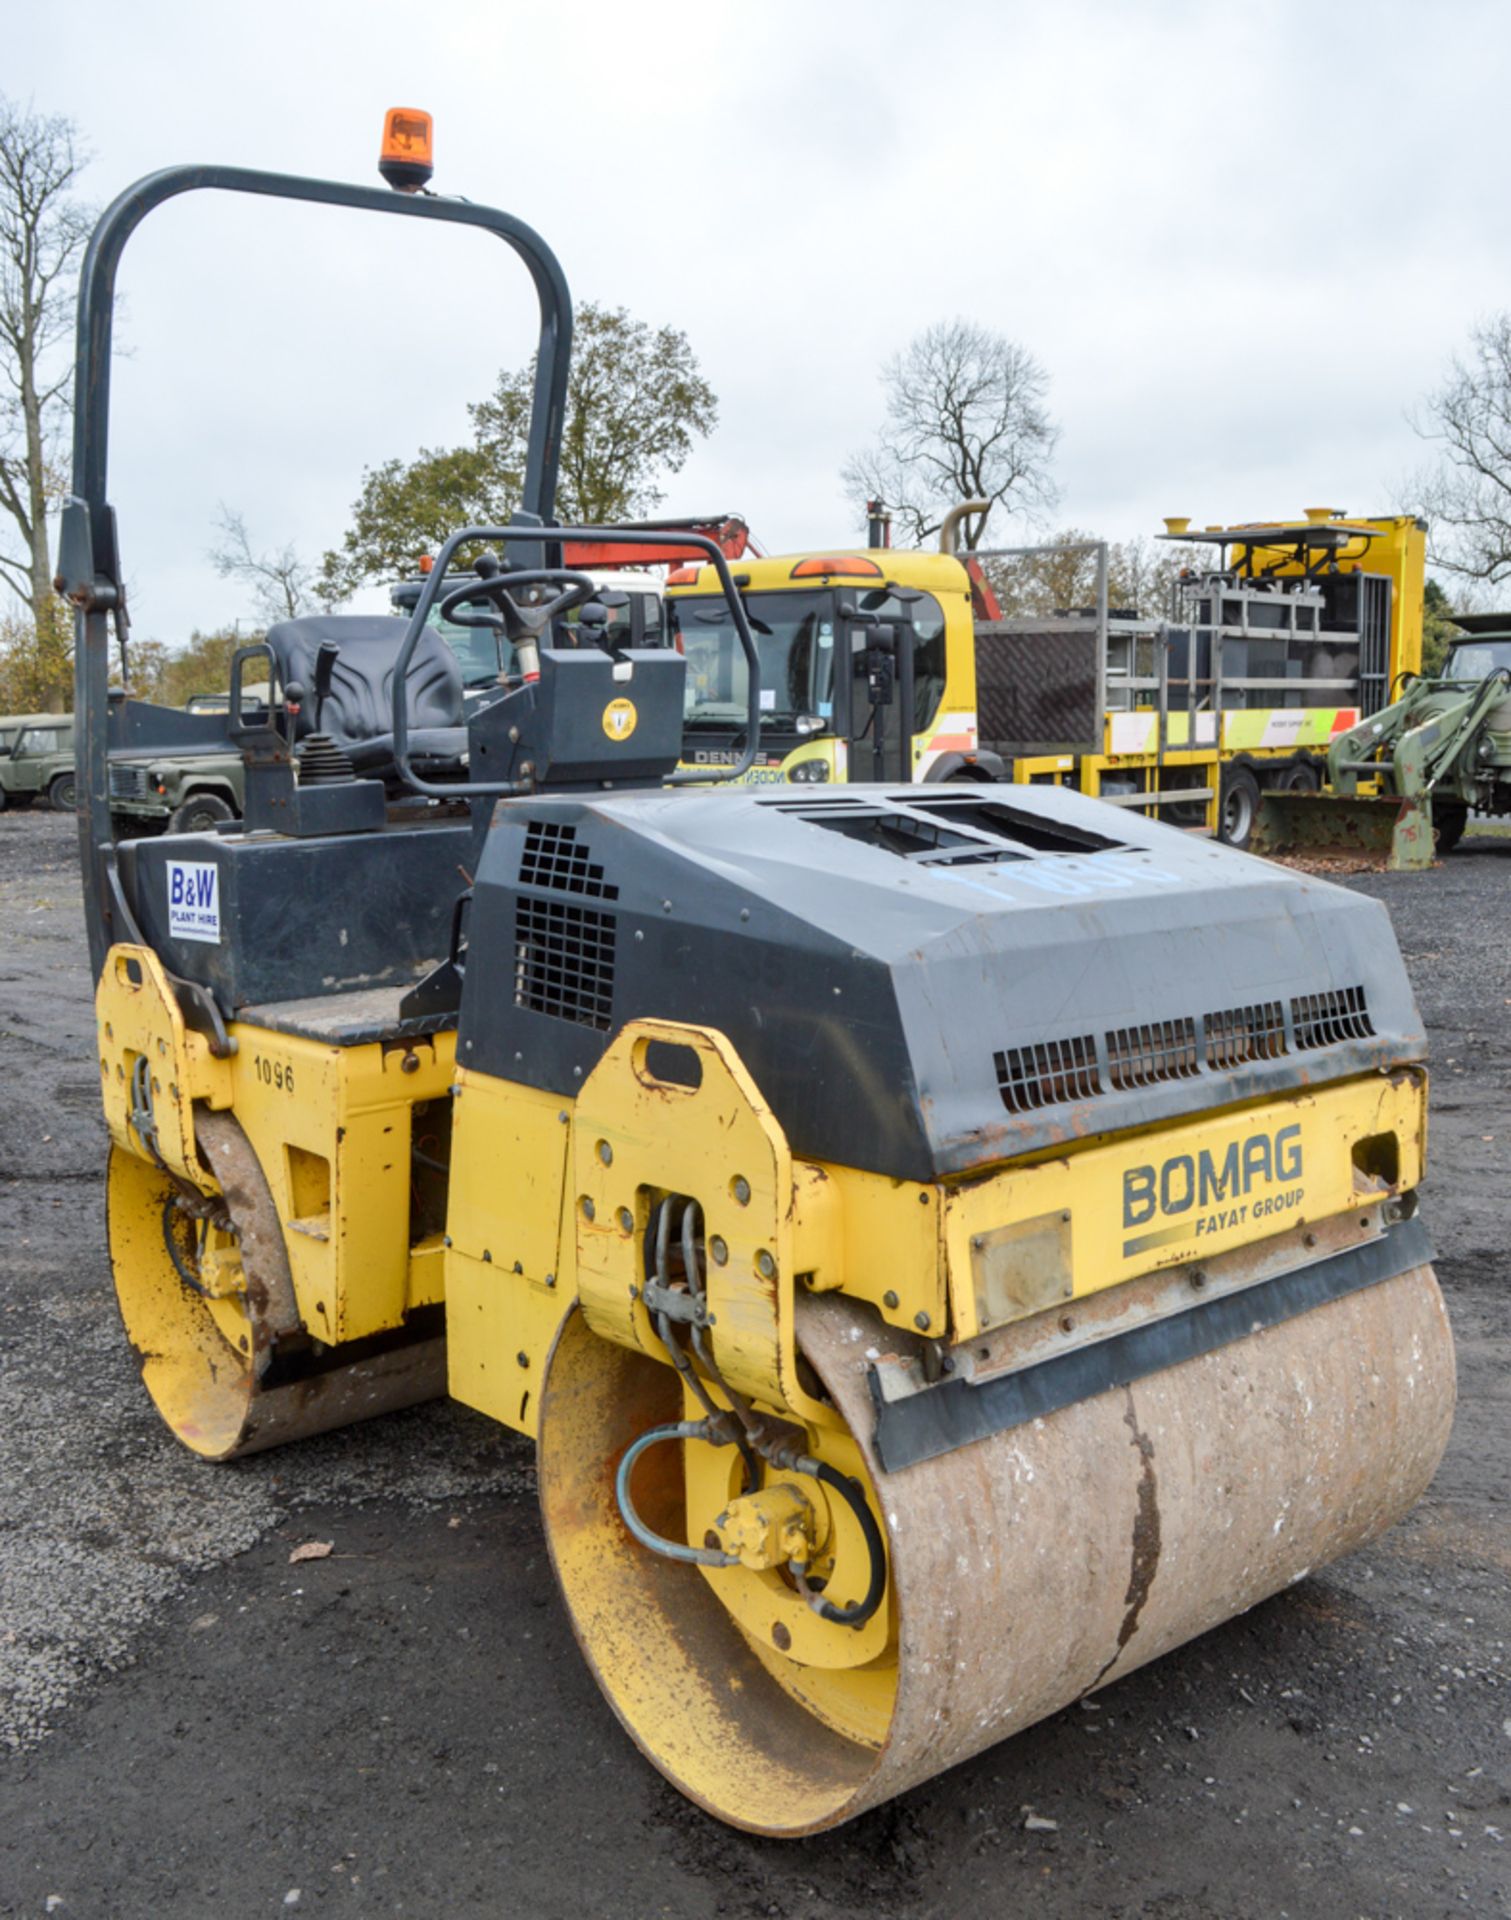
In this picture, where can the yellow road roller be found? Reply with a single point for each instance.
(949, 1244)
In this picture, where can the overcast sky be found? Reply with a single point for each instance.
(1242, 240)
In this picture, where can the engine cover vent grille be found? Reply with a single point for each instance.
(1240, 1034)
(1324, 1019)
(564, 961)
(1048, 1072)
(945, 829)
(1051, 1071)
(554, 857)
(1164, 1050)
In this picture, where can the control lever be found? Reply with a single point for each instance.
(293, 701)
(325, 667)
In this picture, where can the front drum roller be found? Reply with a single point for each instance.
(1026, 1570)
(215, 1328)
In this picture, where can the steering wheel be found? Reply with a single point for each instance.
(519, 622)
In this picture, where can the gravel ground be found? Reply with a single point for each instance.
(190, 1725)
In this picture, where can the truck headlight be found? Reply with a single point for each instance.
(809, 770)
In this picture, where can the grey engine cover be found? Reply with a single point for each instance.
(926, 981)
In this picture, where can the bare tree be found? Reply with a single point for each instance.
(965, 419)
(282, 585)
(1061, 575)
(42, 232)
(1466, 496)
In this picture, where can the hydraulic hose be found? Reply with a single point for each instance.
(851, 1492)
(658, 1543)
(190, 1276)
(666, 1333)
(746, 1434)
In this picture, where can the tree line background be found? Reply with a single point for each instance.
(965, 415)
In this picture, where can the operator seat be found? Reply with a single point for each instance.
(358, 712)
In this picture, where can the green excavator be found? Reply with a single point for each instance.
(1402, 784)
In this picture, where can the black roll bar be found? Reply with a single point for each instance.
(89, 569)
(556, 537)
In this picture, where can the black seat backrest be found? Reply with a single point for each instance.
(360, 706)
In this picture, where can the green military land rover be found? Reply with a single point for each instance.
(36, 760)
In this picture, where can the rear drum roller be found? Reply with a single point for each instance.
(208, 1306)
(1024, 1571)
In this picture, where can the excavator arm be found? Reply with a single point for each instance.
(1415, 749)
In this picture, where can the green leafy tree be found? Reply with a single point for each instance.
(169, 677)
(203, 665)
(636, 402)
(1438, 630)
(148, 665)
(406, 509)
(36, 663)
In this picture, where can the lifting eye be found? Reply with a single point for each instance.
(1377, 1162)
(672, 1065)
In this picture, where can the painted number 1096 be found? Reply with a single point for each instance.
(274, 1073)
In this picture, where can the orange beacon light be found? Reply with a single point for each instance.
(405, 157)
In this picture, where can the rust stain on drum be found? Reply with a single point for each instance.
(1146, 1540)
(1145, 1530)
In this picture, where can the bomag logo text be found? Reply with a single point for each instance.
(1224, 1188)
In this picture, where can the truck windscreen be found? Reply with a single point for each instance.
(1475, 660)
(475, 648)
(795, 635)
